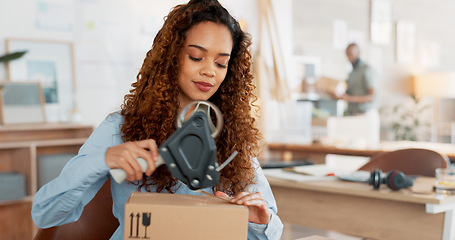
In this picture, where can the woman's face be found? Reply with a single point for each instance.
(204, 61)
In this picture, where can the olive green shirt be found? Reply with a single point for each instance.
(360, 80)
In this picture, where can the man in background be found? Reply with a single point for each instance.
(360, 93)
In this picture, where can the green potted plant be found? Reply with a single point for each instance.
(12, 56)
(410, 120)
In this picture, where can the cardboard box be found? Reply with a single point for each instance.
(331, 85)
(176, 216)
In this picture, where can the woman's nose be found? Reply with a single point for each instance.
(208, 70)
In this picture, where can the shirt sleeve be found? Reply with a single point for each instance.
(274, 228)
(62, 200)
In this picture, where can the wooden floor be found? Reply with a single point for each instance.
(293, 232)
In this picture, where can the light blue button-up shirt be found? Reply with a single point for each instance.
(63, 199)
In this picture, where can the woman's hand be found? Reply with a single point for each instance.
(124, 156)
(258, 212)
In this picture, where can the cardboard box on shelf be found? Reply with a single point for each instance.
(176, 216)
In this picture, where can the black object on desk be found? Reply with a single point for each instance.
(282, 164)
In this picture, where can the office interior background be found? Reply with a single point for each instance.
(110, 39)
(402, 39)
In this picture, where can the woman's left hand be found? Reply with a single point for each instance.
(258, 212)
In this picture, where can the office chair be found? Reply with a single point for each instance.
(96, 221)
(410, 161)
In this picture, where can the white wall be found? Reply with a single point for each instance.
(313, 36)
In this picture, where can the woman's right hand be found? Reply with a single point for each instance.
(124, 156)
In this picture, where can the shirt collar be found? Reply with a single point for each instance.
(356, 63)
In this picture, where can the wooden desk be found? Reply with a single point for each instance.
(314, 237)
(385, 146)
(357, 209)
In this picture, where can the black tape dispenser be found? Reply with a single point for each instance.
(190, 152)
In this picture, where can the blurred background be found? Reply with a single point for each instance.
(66, 64)
(400, 40)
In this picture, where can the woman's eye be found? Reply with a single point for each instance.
(221, 65)
(194, 59)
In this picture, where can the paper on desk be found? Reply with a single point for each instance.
(319, 170)
(286, 175)
(422, 186)
(335, 165)
(358, 176)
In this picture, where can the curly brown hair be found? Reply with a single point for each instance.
(151, 107)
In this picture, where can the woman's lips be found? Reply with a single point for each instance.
(203, 86)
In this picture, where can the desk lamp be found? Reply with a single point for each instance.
(439, 85)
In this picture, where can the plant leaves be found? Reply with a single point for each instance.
(12, 56)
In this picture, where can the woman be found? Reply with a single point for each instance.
(199, 54)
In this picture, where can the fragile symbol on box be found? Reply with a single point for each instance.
(146, 220)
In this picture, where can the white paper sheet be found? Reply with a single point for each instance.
(285, 175)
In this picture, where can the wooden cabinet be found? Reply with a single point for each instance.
(20, 147)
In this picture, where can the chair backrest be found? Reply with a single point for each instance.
(96, 221)
(410, 161)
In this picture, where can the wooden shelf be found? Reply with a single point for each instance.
(26, 199)
(384, 146)
(32, 132)
(20, 147)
